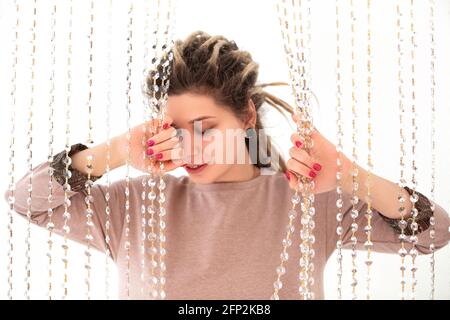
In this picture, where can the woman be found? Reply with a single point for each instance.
(226, 220)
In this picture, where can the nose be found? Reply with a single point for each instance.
(192, 151)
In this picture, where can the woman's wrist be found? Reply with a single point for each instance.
(117, 157)
(118, 151)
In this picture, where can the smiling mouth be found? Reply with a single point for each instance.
(194, 166)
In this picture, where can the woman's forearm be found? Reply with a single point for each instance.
(99, 152)
(384, 193)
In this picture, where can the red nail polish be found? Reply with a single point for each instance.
(149, 152)
(150, 142)
(159, 155)
(288, 176)
(165, 126)
(317, 166)
(312, 174)
(298, 144)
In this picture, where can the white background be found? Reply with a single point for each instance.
(254, 26)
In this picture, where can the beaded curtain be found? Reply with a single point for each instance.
(96, 56)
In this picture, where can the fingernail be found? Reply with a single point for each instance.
(317, 166)
(150, 142)
(312, 174)
(165, 126)
(288, 176)
(159, 155)
(149, 151)
(298, 144)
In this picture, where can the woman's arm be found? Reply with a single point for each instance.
(385, 212)
(76, 209)
(384, 193)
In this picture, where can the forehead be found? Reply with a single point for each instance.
(188, 106)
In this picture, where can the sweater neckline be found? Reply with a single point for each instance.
(233, 185)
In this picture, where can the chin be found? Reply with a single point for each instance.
(209, 174)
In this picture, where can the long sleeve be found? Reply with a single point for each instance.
(385, 237)
(77, 209)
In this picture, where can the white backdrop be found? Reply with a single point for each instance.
(254, 27)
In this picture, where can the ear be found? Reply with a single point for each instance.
(252, 114)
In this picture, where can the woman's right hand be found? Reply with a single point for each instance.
(147, 149)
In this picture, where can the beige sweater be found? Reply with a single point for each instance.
(223, 240)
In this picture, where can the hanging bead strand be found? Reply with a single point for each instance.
(296, 81)
(414, 197)
(402, 182)
(292, 214)
(50, 224)
(167, 58)
(128, 148)
(12, 159)
(67, 159)
(433, 147)
(108, 155)
(339, 150)
(89, 159)
(152, 113)
(354, 199)
(30, 155)
(304, 129)
(144, 156)
(368, 229)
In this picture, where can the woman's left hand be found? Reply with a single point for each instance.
(319, 165)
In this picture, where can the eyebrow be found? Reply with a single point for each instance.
(196, 119)
(200, 118)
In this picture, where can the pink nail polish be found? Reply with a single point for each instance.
(149, 151)
(288, 176)
(159, 156)
(298, 144)
(150, 142)
(317, 166)
(165, 126)
(312, 174)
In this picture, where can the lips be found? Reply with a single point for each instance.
(194, 168)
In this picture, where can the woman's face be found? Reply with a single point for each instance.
(213, 137)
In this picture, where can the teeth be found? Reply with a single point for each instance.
(193, 167)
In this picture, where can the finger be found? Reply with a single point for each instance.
(161, 136)
(302, 156)
(300, 168)
(295, 117)
(169, 165)
(155, 126)
(294, 181)
(297, 140)
(165, 145)
(172, 154)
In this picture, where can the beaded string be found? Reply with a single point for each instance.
(304, 128)
(128, 136)
(67, 159)
(12, 160)
(339, 149)
(292, 214)
(108, 154)
(144, 156)
(299, 81)
(152, 236)
(402, 182)
(30, 155)
(308, 131)
(89, 160)
(354, 199)
(431, 4)
(414, 197)
(50, 224)
(368, 229)
(167, 58)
